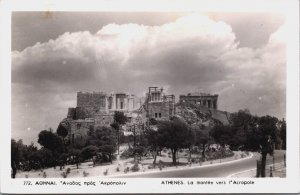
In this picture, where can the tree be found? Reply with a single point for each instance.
(50, 141)
(140, 145)
(62, 131)
(266, 138)
(201, 139)
(282, 133)
(75, 148)
(89, 152)
(241, 119)
(174, 134)
(119, 119)
(16, 155)
(80, 142)
(105, 140)
(62, 160)
(75, 155)
(222, 134)
(28, 151)
(21, 156)
(259, 134)
(153, 143)
(107, 144)
(43, 158)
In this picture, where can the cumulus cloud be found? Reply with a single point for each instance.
(194, 52)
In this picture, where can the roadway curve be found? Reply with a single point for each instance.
(220, 170)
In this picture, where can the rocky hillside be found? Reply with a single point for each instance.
(200, 115)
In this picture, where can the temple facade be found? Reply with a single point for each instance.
(203, 99)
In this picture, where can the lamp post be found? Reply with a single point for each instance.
(273, 162)
(134, 141)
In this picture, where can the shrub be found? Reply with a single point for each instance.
(135, 167)
(160, 165)
(118, 169)
(26, 176)
(105, 172)
(64, 175)
(44, 175)
(242, 155)
(68, 171)
(127, 153)
(88, 152)
(126, 170)
(85, 174)
(193, 160)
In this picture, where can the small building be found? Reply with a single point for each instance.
(159, 105)
(203, 99)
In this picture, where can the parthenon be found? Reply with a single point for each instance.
(203, 99)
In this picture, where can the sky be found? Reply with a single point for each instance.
(240, 56)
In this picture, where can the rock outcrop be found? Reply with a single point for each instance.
(200, 115)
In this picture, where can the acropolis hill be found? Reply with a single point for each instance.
(97, 109)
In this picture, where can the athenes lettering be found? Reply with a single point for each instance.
(172, 182)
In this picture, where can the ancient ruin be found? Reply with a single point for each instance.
(97, 109)
(203, 99)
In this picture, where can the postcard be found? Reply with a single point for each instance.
(150, 97)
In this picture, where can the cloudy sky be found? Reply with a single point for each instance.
(240, 56)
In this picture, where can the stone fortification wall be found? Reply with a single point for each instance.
(92, 100)
(80, 113)
(71, 113)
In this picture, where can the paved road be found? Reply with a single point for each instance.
(221, 170)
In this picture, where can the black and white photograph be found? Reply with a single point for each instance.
(149, 94)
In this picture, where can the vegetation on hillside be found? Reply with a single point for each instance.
(193, 129)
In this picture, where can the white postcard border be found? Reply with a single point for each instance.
(278, 185)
